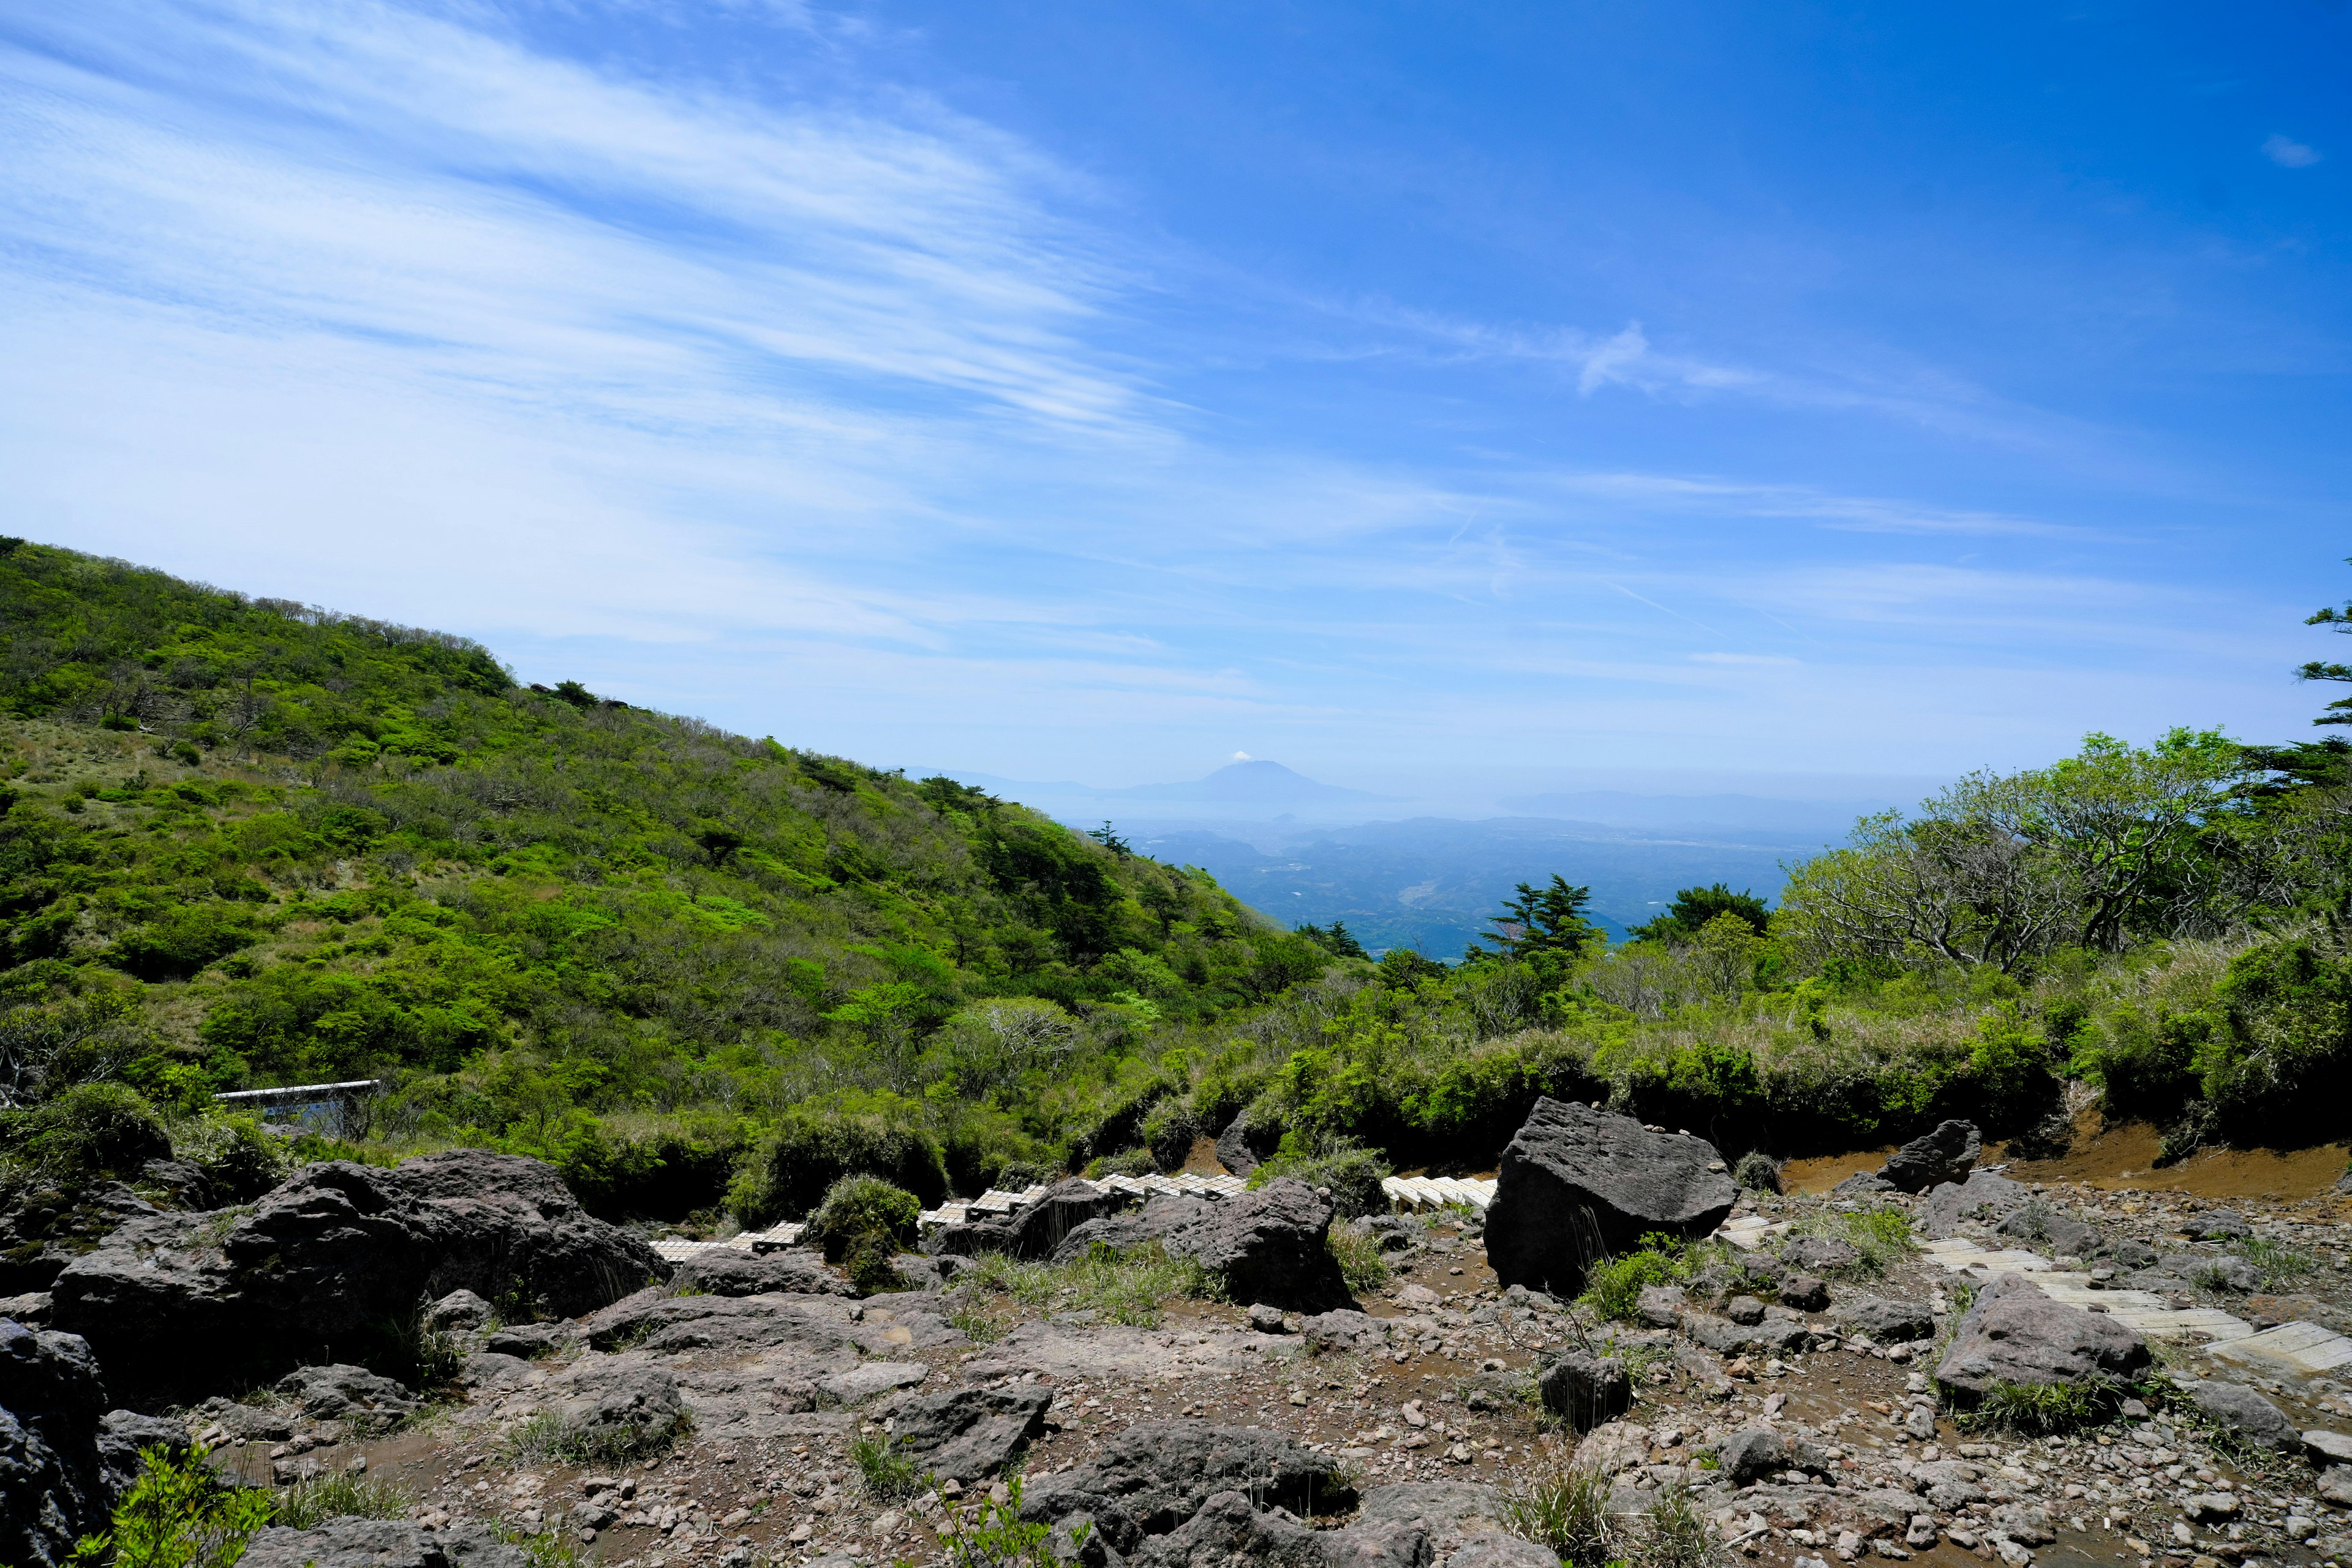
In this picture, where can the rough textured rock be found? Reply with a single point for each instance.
(525, 1341)
(724, 1271)
(1950, 1484)
(2244, 1414)
(616, 1399)
(1863, 1184)
(1578, 1184)
(1983, 1195)
(972, 1432)
(380, 1543)
(1160, 1214)
(460, 1311)
(662, 1324)
(1888, 1322)
(1225, 1530)
(1242, 1148)
(48, 1228)
(1153, 1476)
(1804, 1293)
(873, 1377)
(2221, 1225)
(352, 1394)
(1265, 1246)
(1820, 1254)
(1661, 1305)
(2334, 1484)
(2014, 1333)
(1946, 1154)
(2059, 1235)
(1586, 1390)
(64, 1456)
(1748, 1456)
(179, 1301)
(970, 1238)
(1037, 1231)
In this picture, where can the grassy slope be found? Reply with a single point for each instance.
(251, 844)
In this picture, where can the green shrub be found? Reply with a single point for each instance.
(181, 942)
(887, 1471)
(1128, 1287)
(1362, 1265)
(236, 1155)
(857, 1207)
(179, 1514)
(91, 1131)
(340, 1494)
(1614, 1284)
(2041, 1409)
(791, 1170)
(992, 1534)
(1128, 1162)
(1351, 1171)
(1563, 1507)
(548, 1437)
(1672, 1532)
(1757, 1171)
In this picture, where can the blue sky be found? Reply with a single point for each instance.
(1478, 395)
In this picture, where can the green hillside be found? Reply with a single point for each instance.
(246, 843)
(249, 843)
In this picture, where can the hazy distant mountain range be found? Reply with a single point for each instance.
(1431, 882)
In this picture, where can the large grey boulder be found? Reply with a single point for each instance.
(1888, 1322)
(1820, 1254)
(380, 1543)
(65, 1458)
(1578, 1184)
(352, 1394)
(724, 1271)
(2014, 1333)
(614, 1403)
(1586, 1390)
(1037, 1231)
(1243, 1147)
(970, 1433)
(1227, 1529)
(1946, 1154)
(1748, 1456)
(1266, 1246)
(181, 1301)
(2060, 1235)
(2244, 1414)
(1154, 1477)
(1983, 1195)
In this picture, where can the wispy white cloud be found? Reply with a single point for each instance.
(2289, 153)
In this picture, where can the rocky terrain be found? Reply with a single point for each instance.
(1193, 1383)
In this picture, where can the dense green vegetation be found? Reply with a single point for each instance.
(246, 843)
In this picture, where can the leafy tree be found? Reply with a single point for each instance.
(1693, 907)
(2340, 711)
(1339, 942)
(1550, 920)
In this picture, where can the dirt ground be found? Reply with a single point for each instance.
(2124, 1156)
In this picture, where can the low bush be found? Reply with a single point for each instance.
(791, 1170)
(1757, 1171)
(90, 1132)
(1362, 1265)
(1126, 1286)
(549, 1438)
(236, 1155)
(992, 1534)
(339, 1494)
(1351, 1172)
(179, 1514)
(887, 1471)
(1563, 1507)
(863, 1224)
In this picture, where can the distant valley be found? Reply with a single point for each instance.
(1304, 852)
